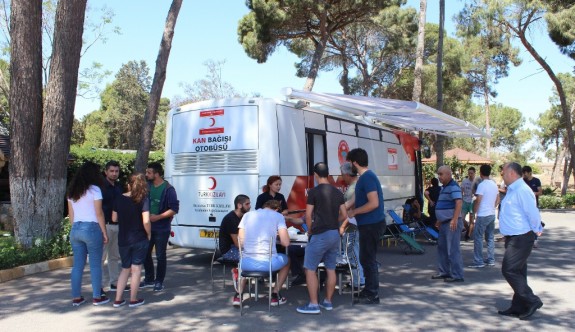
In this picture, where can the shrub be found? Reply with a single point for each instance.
(549, 191)
(569, 200)
(550, 202)
(12, 255)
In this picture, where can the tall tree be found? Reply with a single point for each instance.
(418, 71)
(41, 133)
(157, 86)
(440, 140)
(491, 52)
(271, 23)
(519, 17)
(212, 86)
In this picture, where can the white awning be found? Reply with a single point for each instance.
(408, 115)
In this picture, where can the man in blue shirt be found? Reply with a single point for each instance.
(520, 223)
(370, 216)
(450, 223)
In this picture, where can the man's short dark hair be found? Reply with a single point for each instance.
(358, 155)
(526, 169)
(471, 169)
(240, 199)
(157, 167)
(515, 167)
(485, 170)
(321, 169)
(111, 163)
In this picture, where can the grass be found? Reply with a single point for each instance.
(6, 239)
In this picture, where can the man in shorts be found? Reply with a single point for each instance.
(325, 210)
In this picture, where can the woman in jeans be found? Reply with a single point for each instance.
(132, 212)
(88, 233)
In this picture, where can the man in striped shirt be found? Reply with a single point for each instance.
(450, 224)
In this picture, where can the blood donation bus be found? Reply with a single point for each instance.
(218, 149)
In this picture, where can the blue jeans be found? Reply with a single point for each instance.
(368, 239)
(86, 239)
(449, 261)
(355, 248)
(484, 225)
(159, 239)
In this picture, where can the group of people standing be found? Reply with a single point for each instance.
(326, 217)
(519, 223)
(120, 227)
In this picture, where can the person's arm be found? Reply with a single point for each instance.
(147, 224)
(343, 219)
(350, 203)
(417, 210)
(456, 213)
(372, 204)
(235, 239)
(241, 237)
(539, 191)
(478, 199)
(430, 202)
(284, 237)
(308, 214)
(100, 217)
(70, 213)
(114, 216)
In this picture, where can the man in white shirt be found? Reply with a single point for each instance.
(487, 199)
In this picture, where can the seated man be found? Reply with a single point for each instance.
(228, 236)
(412, 213)
(255, 231)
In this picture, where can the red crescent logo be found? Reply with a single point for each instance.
(213, 122)
(214, 183)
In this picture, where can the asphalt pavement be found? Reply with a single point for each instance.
(410, 300)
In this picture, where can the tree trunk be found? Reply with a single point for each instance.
(151, 115)
(40, 141)
(26, 117)
(440, 139)
(558, 158)
(564, 109)
(418, 72)
(487, 120)
(318, 53)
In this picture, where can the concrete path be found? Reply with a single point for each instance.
(410, 300)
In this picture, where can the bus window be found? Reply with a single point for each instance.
(316, 150)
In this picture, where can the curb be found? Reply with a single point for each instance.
(26, 270)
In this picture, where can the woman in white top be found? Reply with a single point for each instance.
(88, 233)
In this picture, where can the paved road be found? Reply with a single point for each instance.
(410, 300)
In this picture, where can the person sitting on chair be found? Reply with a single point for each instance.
(228, 237)
(255, 231)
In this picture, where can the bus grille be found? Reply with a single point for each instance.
(237, 161)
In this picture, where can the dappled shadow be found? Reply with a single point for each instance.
(411, 301)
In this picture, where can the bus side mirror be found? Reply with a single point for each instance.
(427, 151)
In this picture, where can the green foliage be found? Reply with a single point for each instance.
(101, 157)
(550, 202)
(118, 123)
(561, 25)
(569, 200)
(12, 255)
(549, 191)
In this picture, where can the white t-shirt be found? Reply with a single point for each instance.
(489, 191)
(467, 189)
(84, 209)
(259, 227)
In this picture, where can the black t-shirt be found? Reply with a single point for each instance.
(326, 200)
(131, 226)
(534, 184)
(264, 197)
(229, 226)
(109, 193)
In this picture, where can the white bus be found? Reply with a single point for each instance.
(217, 149)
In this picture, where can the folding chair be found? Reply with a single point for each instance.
(428, 232)
(406, 233)
(250, 275)
(347, 263)
(218, 258)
